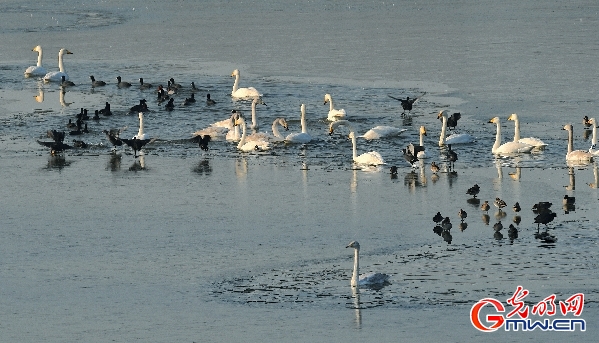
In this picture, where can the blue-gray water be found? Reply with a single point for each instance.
(185, 245)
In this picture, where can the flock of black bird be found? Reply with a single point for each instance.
(542, 210)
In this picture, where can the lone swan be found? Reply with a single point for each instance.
(368, 279)
(242, 92)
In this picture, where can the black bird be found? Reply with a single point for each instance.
(209, 101)
(137, 144)
(65, 82)
(79, 144)
(106, 110)
(409, 157)
(540, 207)
(190, 100)
(438, 217)
(474, 190)
(122, 84)
(141, 107)
(568, 200)
(202, 141)
(143, 85)
(194, 88)
(462, 214)
(97, 83)
(83, 115)
(175, 85)
(545, 218)
(113, 136)
(498, 226)
(170, 105)
(452, 121)
(516, 207)
(85, 129)
(96, 115)
(446, 224)
(57, 145)
(407, 104)
(393, 170)
(452, 156)
(71, 125)
(512, 232)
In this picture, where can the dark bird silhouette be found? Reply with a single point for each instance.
(71, 125)
(85, 130)
(96, 115)
(122, 84)
(174, 84)
(516, 207)
(474, 190)
(485, 206)
(97, 83)
(587, 122)
(452, 120)
(106, 110)
(540, 207)
(407, 103)
(79, 144)
(545, 218)
(498, 226)
(57, 145)
(170, 105)
(409, 157)
(190, 100)
(143, 85)
(65, 83)
(393, 170)
(568, 200)
(452, 157)
(512, 232)
(113, 137)
(137, 144)
(462, 214)
(141, 107)
(438, 217)
(202, 141)
(209, 101)
(446, 224)
(194, 88)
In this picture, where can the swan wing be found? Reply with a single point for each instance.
(56, 76)
(382, 131)
(459, 138)
(249, 92)
(537, 143)
(513, 148)
(300, 137)
(370, 158)
(579, 155)
(373, 279)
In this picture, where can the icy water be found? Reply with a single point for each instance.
(219, 246)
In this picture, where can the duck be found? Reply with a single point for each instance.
(499, 204)
(508, 147)
(586, 122)
(106, 110)
(202, 141)
(190, 100)
(113, 136)
(474, 190)
(57, 145)
(516, 207)
(121, 83)
(434, 167)
(36, 70)
(576, 155)
(174, 84)
(368, 279)
(56, 76)
(300, 137)
(334, 114)
(97, 83)
(368, 158)
(66, 83)
(485, 206)
(170, 105)
(462, 214)
(249, 92)
(456, 138)
(143, 85)
(141, 107)
(382, 131)
(409, 157)
(136, 144)
(194, 88)
(438, 217)
(537, 143)
(209, 101)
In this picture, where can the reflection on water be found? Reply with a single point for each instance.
(114, 162)
(57, 162)
(572, 178)
(139, 163)
(357, 307)
(595, 178)
(203, 167)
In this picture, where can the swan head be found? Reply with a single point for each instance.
(423, 130)
(354, 244)
(283, 123)
(513, 116)
(64, 51)
(258, 101)
(327, 98)
(568, 127)
(37, 48)
(442, 113)
(235, 73)
(494, 120)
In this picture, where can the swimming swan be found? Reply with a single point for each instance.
(368, 158)
(383, 132)
(593, 149)
(576, 155)
(242, 92)
(300, 137)
(276, 135)
(537, 143)
(140, 134)
(333, 113)
(509, 147)
(456, 138)
(56, 76)
(254, 102)
(247, 145)
(36, 70)
(422, 153)
(224, 128)
(367, 279)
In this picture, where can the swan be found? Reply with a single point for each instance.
(254, 102)
(56, 76)
(36, 70)
(382, 132)
(368, 158)
(509, 147)
(422, 153)
(537, 143)
(276, 135)
(247, 145)
(140, 134)
(592, 149)
(333, 113)
(456, 138)
(242, 92)
(576, 155)
(367, 279)
(224, 128)
(300, 137)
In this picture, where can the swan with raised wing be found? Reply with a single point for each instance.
(371, 279)
(242, 92)
(508, 147)
(456, 138)
(368, 158)
(36, 70)
(537, 143)
(300, 137)
(56, 76)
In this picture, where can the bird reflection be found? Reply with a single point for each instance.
(61, 94)
(572, 177)
(241, 168)
(139, 164)
(463, 226)
(517, 174)
(114, 162)
(486, 218)
(357, 306)
(596, 179)
(57, 162)
(203, 167)
(40, 95)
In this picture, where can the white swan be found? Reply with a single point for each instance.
(56, 76)
(276, 135)
(254, 102)
(140, 134)
(576, 155)
(246, 145)
(509, 147)
(537, 143)
(456, 138)
(224, 128)
(368, 158)
(300, 137)
(36, 70)
(422, 154)
(593, 149)
(367, 279)
(333, 113)
(382, 131)
(242, 92)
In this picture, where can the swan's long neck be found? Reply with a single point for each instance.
(443, 129)
(303, 120)
(236, 83)
(331, 107)
(516, 129)
(355, 274)
(39, 58)
(60, 64)
(275, 129)
(570, 141)
(242, 140)
(497, 137)
(594, 140)
(353, 142)
(421, 138)
(254, 124)
(141, 126)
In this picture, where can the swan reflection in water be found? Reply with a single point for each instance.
(357, 306)
(139, 164)
(40, 95)
(595, 182)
